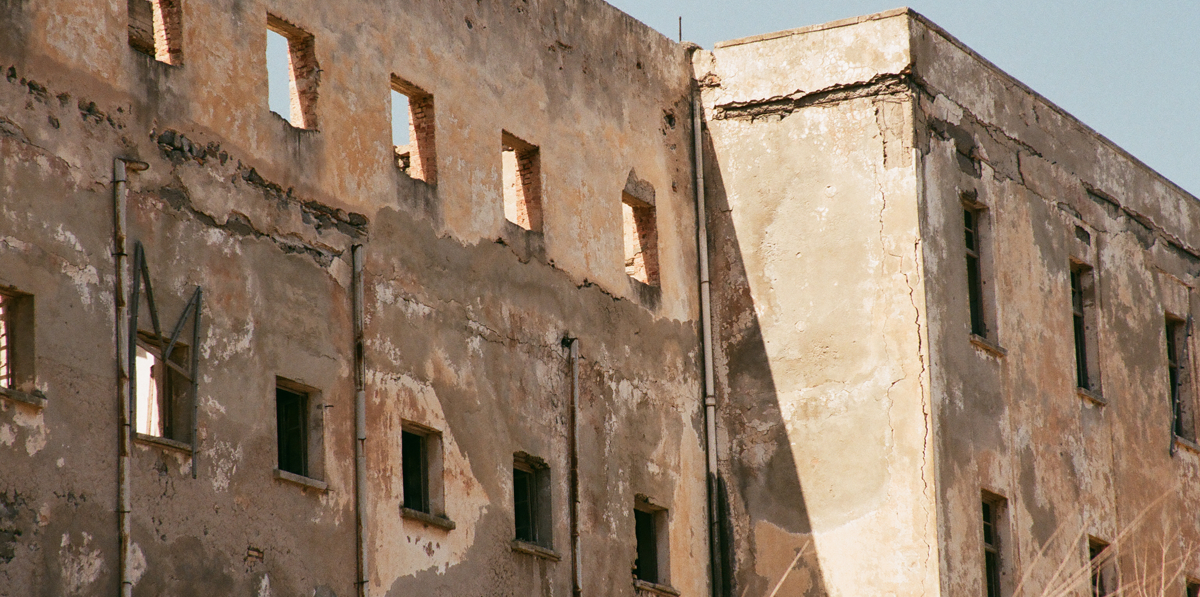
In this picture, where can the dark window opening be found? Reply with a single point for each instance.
(646, 566)
(991, 547)
(1102, 572)
(1179, 379)
(971, 219)
(522, 178)
(1084, 319)
(1193, 588)
(414, 462)
(531, 500)
(413, 131)
(291, 416)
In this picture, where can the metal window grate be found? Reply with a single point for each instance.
(1174, 374)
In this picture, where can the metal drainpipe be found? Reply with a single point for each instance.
(576, 557)
(121, 167)
(710, 398)
(360, 421)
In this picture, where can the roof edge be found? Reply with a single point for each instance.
(887, 14)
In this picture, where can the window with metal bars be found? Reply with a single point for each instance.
(17, 356)
(971, 228)
(991, 546)
(1179, 379)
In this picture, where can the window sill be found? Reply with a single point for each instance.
(988, 346)
(1091, 396)
(1187, 444)
(37, 398)
(301, 480)
(430, 519)
(163, 442)
(655, 588)
(535, 550)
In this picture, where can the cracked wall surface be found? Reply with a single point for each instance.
(465, 314)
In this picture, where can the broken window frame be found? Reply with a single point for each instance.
(171, 387)
(165, 350)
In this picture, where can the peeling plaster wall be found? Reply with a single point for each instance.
(1015, 425)
(821, 316)
(465, 313)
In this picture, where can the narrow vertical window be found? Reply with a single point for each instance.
(531, 500)
(1103, 574)
(413, 131)
(414, 461)
(521, 175)
(971, 217)
(155, 28)
(651, 532)
(992, 507)
(163, 398)
(1084, 321)
(292, 73)
(640, 224)
(291, 417)
(6, 346)
(1179, 379)
(16, 347)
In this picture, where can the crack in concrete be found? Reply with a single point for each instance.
(881, 84)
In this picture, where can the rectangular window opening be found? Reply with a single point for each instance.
(1103, 572)
(421, 469)
(156, 28)
(1084, 316)
(292, 73)
(17, 356)
(531, 500)
(652, 538)
(993, 530)
(1193, 588)
(1179, 378)
(299, 423)
(971, 227)
(413, 131)
(640, 224)
(521, 174)
(7, 379)
(164, 400)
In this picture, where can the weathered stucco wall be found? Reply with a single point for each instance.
(820, 312)
(465, 313)
(1011, 422)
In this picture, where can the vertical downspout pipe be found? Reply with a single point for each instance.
(360, 421)
(710, 397)
(576, 556)
(121, 168)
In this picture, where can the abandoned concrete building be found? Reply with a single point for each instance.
(841, 310)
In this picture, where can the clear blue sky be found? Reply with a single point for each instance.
(1129, 69)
